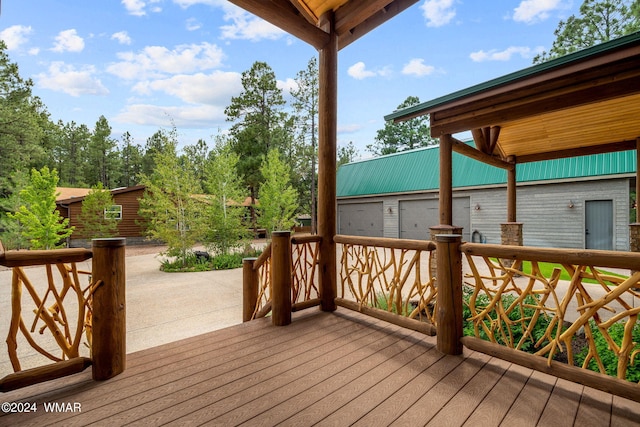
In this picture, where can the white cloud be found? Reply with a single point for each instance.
(193, 24)
(418, 68)
(15, 36)
(193, 116)
(350, 128)
(438, 12)
(75, 82)
(288, 85)
(245, 26)
(122, 37)
(68, 41)
(530, 11)
(158, 61)
(139, 7)
(216, 88)
(504, 55)
(359, 71)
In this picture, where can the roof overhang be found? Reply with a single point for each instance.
(584, 103)
(305, 18)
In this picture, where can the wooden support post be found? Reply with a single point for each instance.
(446, 180)
(108, 348)
(249, 288)
(327, 147)
(281, 278)
(449, 297)
(511, 191)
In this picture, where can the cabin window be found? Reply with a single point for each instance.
(113, 212)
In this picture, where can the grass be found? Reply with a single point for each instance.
(546, 269)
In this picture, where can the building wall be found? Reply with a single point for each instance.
(128, 226)
(544, 210)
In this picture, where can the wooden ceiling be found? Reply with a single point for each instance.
(305, 18)
(584, 103)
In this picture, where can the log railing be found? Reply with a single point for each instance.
(64, 309)
(512, 305)
(295, 275)
(389, 279)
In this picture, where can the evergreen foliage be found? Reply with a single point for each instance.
(599, 21)
(407, 135)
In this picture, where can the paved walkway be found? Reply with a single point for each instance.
(161, 307)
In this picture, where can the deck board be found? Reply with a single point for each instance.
(335, 369)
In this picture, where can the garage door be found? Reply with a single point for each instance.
(361, 219)
(417, 216)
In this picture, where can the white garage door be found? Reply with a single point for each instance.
(361, 219)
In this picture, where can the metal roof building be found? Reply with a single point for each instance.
(577, 202)
(418, 170)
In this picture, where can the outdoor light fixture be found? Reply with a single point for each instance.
(570, 205)
(477, 206)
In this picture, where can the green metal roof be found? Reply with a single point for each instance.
(508, 78)
(418, 170)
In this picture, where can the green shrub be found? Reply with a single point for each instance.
(517, 329)
(219, 262)
(608, 357)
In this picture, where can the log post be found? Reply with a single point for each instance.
(281, 278)
(449, 297)
(249, 289)
(109, 332)
(327, 147)
(446, 180)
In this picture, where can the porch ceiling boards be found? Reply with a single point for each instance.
(329, 368)
(304, 18)
(584, 103)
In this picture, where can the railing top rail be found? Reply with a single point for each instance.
(615, 259)
(420, 245)
(305, 238)
(266, 253)
(41, 257)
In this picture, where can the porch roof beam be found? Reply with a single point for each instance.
(358, 17)
(581, 151)
(285, 16)
(462, 148)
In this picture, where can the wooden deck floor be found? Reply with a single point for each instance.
(328, 369)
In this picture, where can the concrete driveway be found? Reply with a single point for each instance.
(161, 307)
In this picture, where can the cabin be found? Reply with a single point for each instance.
(352, 330)
(125, 210)
(583, 202)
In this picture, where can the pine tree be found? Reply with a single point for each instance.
(259, 122)
(407, 135)
(599, 21)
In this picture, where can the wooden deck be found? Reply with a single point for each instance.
(335, 369)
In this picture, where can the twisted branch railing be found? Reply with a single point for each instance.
(304, 278)
(65, 310)
(391, 275)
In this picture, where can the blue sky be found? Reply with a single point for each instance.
(145, 64)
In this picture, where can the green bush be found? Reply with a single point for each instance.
(608, 357)
(516, 330)
(219, 262)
